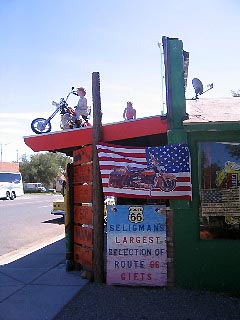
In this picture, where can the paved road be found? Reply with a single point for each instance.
(27, 222)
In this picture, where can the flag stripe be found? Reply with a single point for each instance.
(141, 194)
(179, 185)
(122, 162)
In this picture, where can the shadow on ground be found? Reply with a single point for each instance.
(59, 220)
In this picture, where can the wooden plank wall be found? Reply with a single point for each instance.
(83, 217)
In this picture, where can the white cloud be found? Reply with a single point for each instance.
(13, 127)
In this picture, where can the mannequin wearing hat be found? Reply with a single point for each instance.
(81, 110)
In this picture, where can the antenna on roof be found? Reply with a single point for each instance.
(198, 87)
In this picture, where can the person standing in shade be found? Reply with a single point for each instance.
(129, 112)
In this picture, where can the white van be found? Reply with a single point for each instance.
(33, 187)
(11, 185)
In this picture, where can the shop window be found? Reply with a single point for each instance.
(219, 177)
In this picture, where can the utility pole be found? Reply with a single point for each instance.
(2, 144)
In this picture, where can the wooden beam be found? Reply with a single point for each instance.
(98, 212)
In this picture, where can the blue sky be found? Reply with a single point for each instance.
(48, 46)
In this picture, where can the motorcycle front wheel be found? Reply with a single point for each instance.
(41, 125)
(168, 185)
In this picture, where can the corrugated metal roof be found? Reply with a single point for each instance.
(213, 110)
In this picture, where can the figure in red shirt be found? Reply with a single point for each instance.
(129, 112)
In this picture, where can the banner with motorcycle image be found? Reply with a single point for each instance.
(146, 172)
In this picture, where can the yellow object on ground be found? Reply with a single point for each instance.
(58, 207)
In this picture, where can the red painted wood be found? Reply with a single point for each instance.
(84, 256)
(60, 139)
(82, 155)
(83, 173)
(83, 193)
(83, 214)
(54, 141)
(134, 128)
(83, 235)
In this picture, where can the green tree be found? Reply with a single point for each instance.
(44, 167)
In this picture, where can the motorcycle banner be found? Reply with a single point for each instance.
(138, 172)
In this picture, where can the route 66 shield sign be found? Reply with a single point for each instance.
(136, 214)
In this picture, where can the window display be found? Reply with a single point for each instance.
(219, 176)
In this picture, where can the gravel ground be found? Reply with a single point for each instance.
(102, 302)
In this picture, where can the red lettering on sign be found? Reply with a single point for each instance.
(135, 276)
(138, 239)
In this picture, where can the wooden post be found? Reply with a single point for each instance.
(97, 205)
(174, 75)
(170, 248)
(69, 217)
(176, 112)
(176, 102)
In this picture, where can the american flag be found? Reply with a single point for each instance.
(211, 195)
(161, 172)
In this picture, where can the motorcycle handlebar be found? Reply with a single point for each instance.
(71, 92)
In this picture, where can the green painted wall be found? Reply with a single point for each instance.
(199, 264)
(204, 264)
